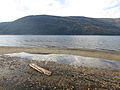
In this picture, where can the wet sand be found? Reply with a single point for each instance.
(104, 54)
(15, 74)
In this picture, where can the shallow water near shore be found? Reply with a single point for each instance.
(71, 60)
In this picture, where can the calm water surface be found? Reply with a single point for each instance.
(90, 42)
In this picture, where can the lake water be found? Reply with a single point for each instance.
(90, 42)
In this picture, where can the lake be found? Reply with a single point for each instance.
(71, 41)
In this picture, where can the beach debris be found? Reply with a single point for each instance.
(40, 69)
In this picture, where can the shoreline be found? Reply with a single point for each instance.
(16, 74)
(104, 54)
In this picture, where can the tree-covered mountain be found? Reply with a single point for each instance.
(55, 25)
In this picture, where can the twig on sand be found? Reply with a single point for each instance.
(40, 69)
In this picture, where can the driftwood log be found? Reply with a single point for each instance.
(40, 69)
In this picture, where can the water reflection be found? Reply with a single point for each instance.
(71, 60)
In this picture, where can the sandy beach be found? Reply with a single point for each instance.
(17, 75)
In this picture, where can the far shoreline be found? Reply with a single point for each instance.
(95, 53)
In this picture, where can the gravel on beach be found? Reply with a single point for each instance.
(15, 74)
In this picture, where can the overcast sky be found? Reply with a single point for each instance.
(14, 9)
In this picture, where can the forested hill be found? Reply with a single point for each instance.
(55, 25)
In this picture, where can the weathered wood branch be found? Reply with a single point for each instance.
(40, 69)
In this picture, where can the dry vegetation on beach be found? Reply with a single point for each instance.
(17, 75)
